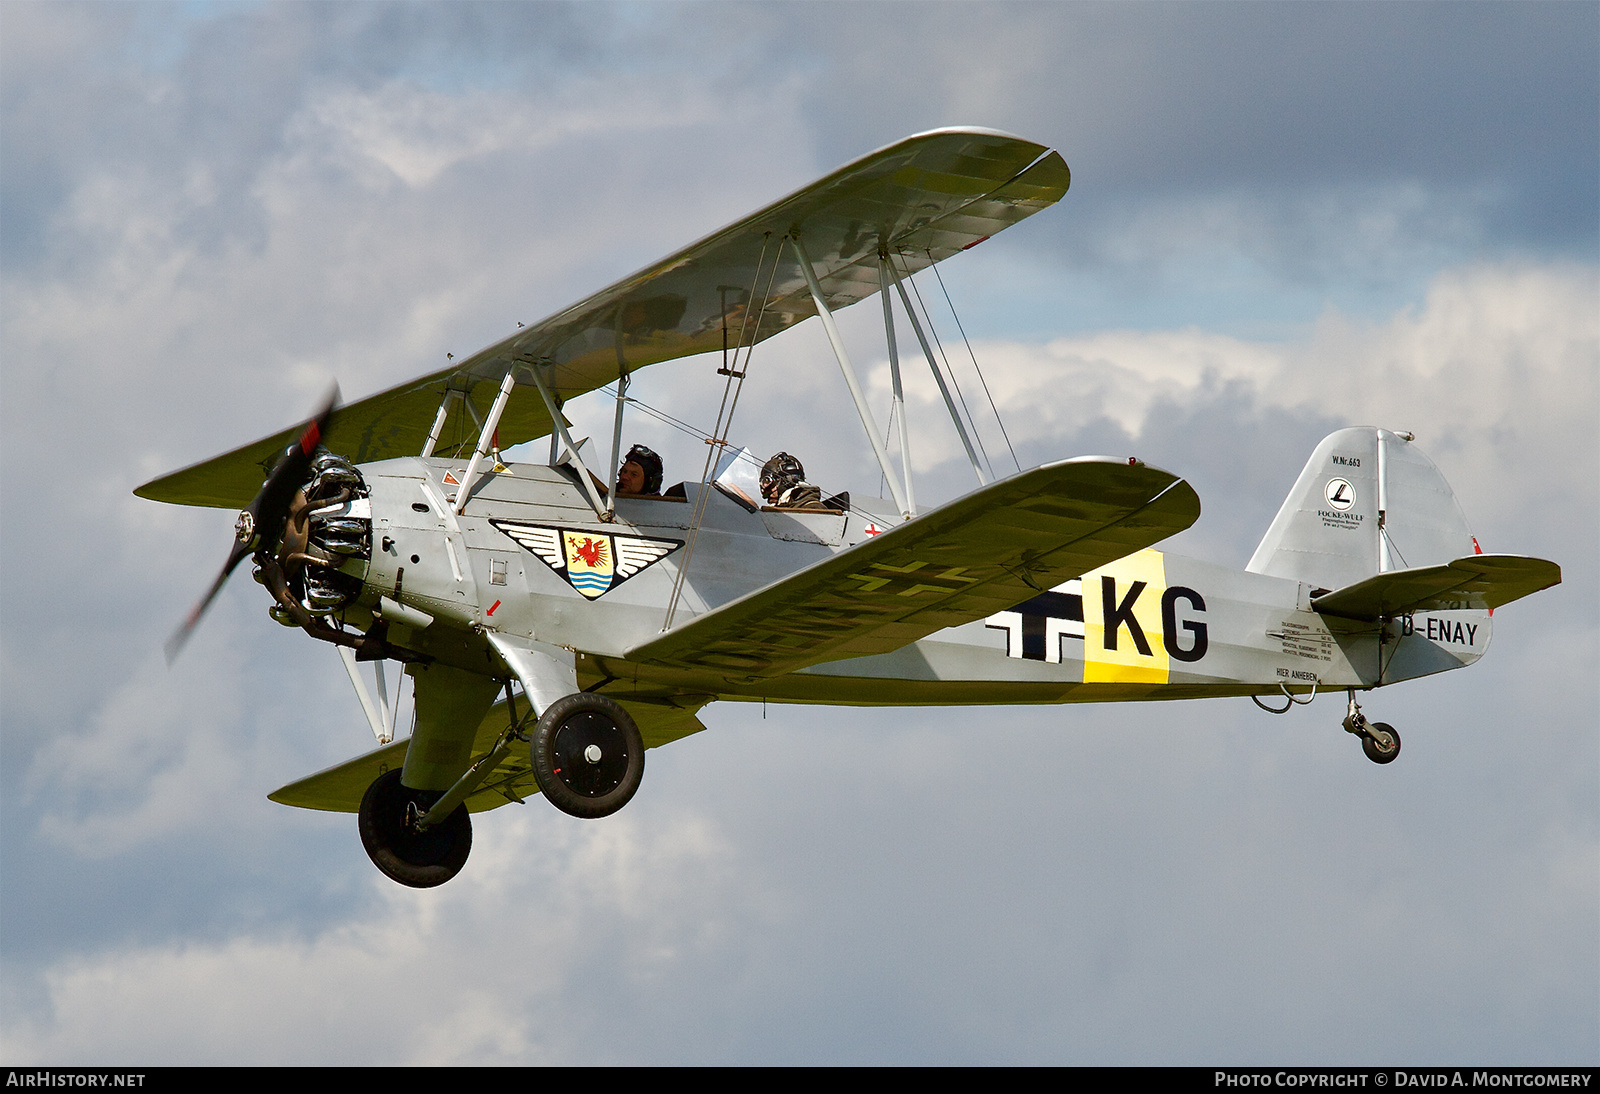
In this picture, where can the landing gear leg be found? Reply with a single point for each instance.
(1379, 740)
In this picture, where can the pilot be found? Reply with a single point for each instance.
(640, 474)
(783, 484)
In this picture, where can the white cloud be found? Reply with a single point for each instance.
(1034, 884)
(1497, 371)
(139, 771)
(472, 974)
(417, 133)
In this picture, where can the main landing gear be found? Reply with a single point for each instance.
(418, 857)
(1379, 740)
(588, 756)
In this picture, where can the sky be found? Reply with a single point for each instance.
(1284, 219)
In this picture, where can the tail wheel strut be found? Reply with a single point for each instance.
(1379, 740)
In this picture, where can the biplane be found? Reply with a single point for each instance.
(555, 628)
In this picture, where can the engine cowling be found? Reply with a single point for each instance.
(327, 540)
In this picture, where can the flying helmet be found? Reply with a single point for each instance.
(780, 473)
(651, 463)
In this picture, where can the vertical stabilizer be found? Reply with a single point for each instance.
(1367, 502)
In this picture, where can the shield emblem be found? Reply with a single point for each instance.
(591, 562)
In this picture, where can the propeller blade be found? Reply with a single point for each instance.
(261, 522)
(180, 636)
(270, 508)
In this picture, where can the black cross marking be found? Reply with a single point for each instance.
(1036, 614)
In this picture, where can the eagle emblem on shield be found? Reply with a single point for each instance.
(593, 563)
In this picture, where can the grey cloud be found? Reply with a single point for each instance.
(1147, 101)
(1159, 100)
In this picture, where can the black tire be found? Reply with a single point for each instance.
(570, 776)
(1375, 751)
(418, 859)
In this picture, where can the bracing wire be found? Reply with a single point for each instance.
(960, 395)
(730, 400)
(676, 423)
(701, 435)
(888, 433)
(1389, 541)
(664, 418)
(981, 379)
(466, 437)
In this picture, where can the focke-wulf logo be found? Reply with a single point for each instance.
(593, 563)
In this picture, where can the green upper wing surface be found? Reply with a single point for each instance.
(922, 200)
(981, 554)
(1476, 581)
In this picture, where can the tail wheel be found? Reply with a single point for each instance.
(1381, 743)
(420, 859)
(588, 756)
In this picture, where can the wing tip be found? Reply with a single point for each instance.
(966, 131)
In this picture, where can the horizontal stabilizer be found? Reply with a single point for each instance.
(339, 789)
(1476, 581)
(980, 554)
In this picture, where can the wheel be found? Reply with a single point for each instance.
(588, 756)
(388, 831)
(1385, 747)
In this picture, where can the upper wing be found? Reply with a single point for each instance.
(924, 199)
(1476, 581)
(981, 554)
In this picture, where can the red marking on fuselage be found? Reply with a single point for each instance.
(491, 610)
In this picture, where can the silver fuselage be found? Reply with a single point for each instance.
(1149, 626)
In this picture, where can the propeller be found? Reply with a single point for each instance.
(261, 522)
